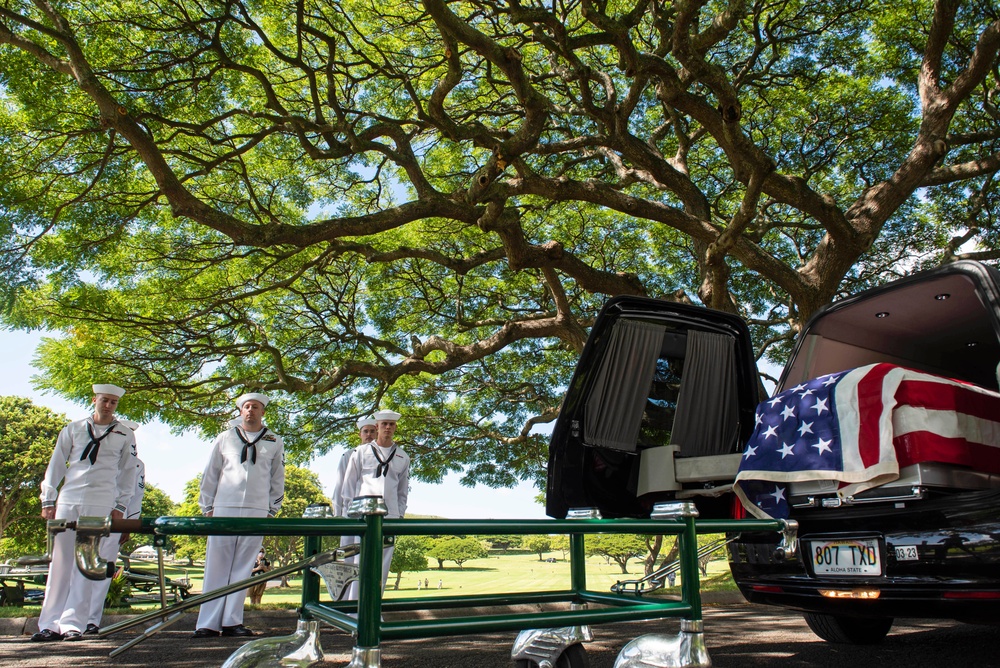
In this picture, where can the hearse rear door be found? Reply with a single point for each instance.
(659, 408)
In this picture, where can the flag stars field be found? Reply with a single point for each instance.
(795, 431)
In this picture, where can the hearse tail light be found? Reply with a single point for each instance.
(971, 594)
(850, 593)
(736, 509)
(768, 589)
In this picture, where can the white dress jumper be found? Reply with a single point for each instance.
(339, 509)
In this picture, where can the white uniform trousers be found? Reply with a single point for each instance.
(349, 540)
(351, 586)
(108, 552)
(68, 593)
(228, 559)
(354, 589)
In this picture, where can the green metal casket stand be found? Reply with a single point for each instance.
(362, 618)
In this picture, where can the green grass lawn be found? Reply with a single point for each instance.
(500, 573)
(509, 573)
(519, 573)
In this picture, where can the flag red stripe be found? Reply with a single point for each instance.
(947, 397)
(870, 409)
(926, 446)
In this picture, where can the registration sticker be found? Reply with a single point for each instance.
(907, 553)
(858, 556)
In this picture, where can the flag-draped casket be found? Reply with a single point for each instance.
(859, 428)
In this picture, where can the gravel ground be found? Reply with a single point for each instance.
(737, 635)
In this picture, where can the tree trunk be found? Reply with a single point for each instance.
(654, 552)
(671, 556)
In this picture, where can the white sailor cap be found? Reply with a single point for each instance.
(392, 416)
(366, 422)
(128, 423)
(106, 388)
(252, 396)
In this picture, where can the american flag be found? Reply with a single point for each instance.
(859, 427)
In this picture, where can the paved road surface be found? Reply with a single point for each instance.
(742, 636)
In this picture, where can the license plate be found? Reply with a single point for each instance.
(858, 557)
(907, 553)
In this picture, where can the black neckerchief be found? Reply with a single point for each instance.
(95, 443)
(247, 445)
(383, 465)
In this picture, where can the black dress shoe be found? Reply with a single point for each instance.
(45, 635)
(204, 633)
(72, 636)
(238, 630)
(92, 630)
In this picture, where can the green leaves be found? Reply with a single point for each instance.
(457, 549)
(616, 547)
(28, 434)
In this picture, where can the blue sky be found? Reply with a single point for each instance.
(173, 460)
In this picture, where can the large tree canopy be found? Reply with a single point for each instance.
(350, 204)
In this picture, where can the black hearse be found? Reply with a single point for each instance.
(663, 406)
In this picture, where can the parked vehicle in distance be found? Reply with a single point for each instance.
(898, 500)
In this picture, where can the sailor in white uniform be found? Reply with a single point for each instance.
(244, 477)
(380, 468)
(367, 431)
(111, 544)
(95, 462)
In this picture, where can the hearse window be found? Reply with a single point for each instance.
(621, 388)
(707, 420)
(661, 405)
(657, 386)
